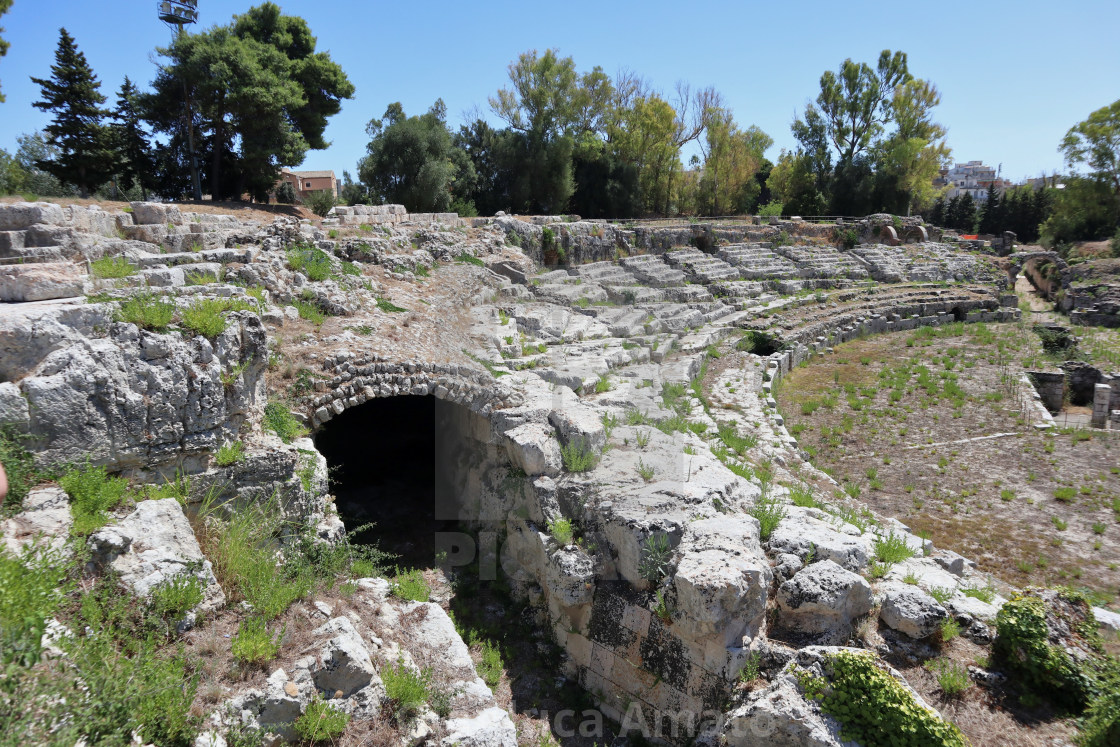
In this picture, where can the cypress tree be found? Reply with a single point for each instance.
(131, 142)
(73, 94)
(992, 213)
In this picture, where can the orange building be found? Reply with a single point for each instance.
(306, 182)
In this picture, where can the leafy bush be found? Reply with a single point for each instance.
(411, 586)
(406, 689)
(1101, 725)
(469, 259)
(146, 311)
(320, 202)
(948, 630)
(1023, 645)
(321, 721)
(892, 549)
(847, 238)
(311, 261)
(491, 666)
(802, 495)
(206, 315)
(951, 676)
(388, 306)
(773, 208)
(309, 311)
(769, 511)
(561, 531)
(253, 643)
(111, 268)
(176, 597)
(286, 194)
(19, 465)
(279, 420)
(653, 565)
(876, 709)
(92, 495)
(33, 586)
(230, 454)
(578, 457)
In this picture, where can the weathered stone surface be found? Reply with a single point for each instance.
(780, 717)
(534, 450)
(823, 598)
(21, 215)
(491, 728)
(155, 213)
(910, 610)
(153, 545)
(343, 662)
(805, 530)
(40, 282)
(45, 520)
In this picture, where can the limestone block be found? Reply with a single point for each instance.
(21, 215)
(45, 518)
(13, 407)
(41, 281)
(910, 610)
(343, 662)
(823, 597)
(533, 449)
(491, 728)
(780, 717)
(805, 530)
(577, 423)
(153, 213)
(153, 545)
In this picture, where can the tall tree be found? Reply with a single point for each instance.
(134, 154)
(73, 93)
(413, 161)
(1096, 143)
(261, 92)
(915, 152)
(857, 101)
(732, 157)
(5, 5)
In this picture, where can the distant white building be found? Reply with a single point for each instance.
(973, 178)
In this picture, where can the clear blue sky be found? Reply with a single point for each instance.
(1014, 76)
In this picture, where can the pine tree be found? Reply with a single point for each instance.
(86, 157)
(130, 141)
(937, 215)
(992, 213)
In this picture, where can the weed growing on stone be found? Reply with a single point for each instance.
(146, 311)
(411, 586)
(279, 420)
(312, 262)
(253, 643)
(491, 666)
(769, 511)
(603, 384)
(93, 493)
(469, 259)
(578, 457)
(645, 471)
(205, 315)
(19, 465)
(406, 689)
(389, 307)
(561, 531)
(230, 454)
(321, 721)
(892, 549)
(941, 593)
(108, 268)
(654, 563)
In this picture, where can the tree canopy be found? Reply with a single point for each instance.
(5, 6)
(85, 155)
(260, 94)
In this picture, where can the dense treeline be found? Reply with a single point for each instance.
(232, 105)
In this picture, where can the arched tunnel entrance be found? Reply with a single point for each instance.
(389, 465)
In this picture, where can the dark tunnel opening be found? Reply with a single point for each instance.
(383, 459)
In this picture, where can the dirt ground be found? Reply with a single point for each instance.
(960, 457)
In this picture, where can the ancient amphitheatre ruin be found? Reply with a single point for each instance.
(721, 482)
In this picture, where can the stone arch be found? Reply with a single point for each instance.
(356, 380)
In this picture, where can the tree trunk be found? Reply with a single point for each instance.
(216, 164)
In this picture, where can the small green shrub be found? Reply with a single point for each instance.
(1101, 725)
(656, 552)
(578, 456)
(19, 465)
(205, 316)
(603, 384)
(1065, 495)
(146, 311)
(279, 420)
(406, 689)
(411, 586)
(941, 593)
(732, 440)
(892, 549)
(951, 676)
(253, 643)
(33, 586)
(230, 454)
(311, 261)
(108, 268)
(309, 311)
(876, 709)
(176, 597)
(321, 721)
(469, 259)
(645, 471)
(773, 208)
(388, 306)
(561, 531)
(320, 202)
(491, 666)
(92, 495)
